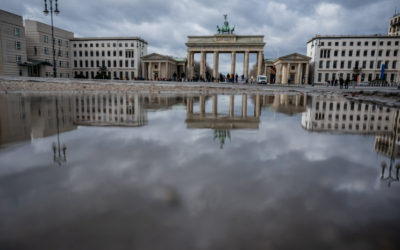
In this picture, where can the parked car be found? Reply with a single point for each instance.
(262, 79)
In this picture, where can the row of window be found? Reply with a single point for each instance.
(60, 75)
(350, 126)
(116, 75)
(333, 76)
(114, 64)
(357, 65)
(351, 105)
(59, 41)
(326, 53)
(359, 43)
(318, 116)
(97, 45)
(46, 51)
(128, 53)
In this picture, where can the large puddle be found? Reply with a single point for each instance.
(129, 171)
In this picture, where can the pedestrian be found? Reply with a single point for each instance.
(251, 80)
(347, 83)
(341, 81)
(237, 77)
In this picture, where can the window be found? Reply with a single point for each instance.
(396, 43)
(108, 53)
(46, 50)
(114, 45)
(97, 45)
(358, 43)
(103, 53)
(350, 53)
(334, 64)
(59, 42)
(75, 63)
(378, 65)
(91, 53)
(18, 45)
(126, 63)
(373, 43)
(120, 63)
(351, 43)
(381, 43)
(86, 53)
(395, 52)
(365, 43)
(129, 54)
(319, 77)
(120, 53)
(380, 52)
(132, 63)
(97, 53)
(18, 58)
(16, 31)
(387, 52)
(120, 44)
(45, 39)
(371, 64)
(356, 65)
(365, 52)
(342, 64)
(357, 53)
(336, 53)
(343, 52)
(364, 64)
(389, 43)
(328, 64)
(372, 52)
(80, 53)
(394, 65)
(343, 43)
(35, 50)
(349, 64)
(321, 64)
(336, 43)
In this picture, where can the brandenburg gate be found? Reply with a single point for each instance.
(224, 42)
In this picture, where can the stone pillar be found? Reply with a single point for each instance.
(257, 108)
(202, 105)
(278, 74)
(159, 71)
(246, 64)
(215, 105)
(149, 74)
(215, 66)
(203, 65)
(288, 73)
(259, 62)
(307, 73)
(244, 105)
(189, 65)
(299, 73)
(231, 105)
(233, 63)
(143, 70)
(284, 74)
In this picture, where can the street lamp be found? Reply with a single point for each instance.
(46, 12)
(56, 147)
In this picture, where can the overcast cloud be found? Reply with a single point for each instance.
(286, 24)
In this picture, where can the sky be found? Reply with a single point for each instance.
(286, 24)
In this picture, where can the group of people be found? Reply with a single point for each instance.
(341, 82)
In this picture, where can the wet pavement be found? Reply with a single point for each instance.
(243, 171)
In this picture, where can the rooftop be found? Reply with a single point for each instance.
(104, 38)
(384, 36)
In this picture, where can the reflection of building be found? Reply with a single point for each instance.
(333, 113)
(389, 144)
(109, 110)
(204, 119)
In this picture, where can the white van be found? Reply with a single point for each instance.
(262, 79)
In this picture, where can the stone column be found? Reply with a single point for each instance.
(203, 65)
(149, 75)
(159, 70)
(143, 69)
(202, 105)
(215, 66)
(283, 74)
(246, 64)
(233, 63)
(259, 63)
(307, 73)
(215, 105)
(189, 65)
(278, 78)
(288, 73)
(244, 105)
(299, 73)
(257, 108)
(231, 105)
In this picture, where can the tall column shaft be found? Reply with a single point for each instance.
(202, 105)
(307, 73)
(203, 65)
(143, 69)
(288, 73)
(149, 74)
(299, 73)
(215, 105)
(215, 66)
(244, 105)
(246, 65)
(231, 105)
(259, 62)
(257, 107)
(159, 71)
(233, 63)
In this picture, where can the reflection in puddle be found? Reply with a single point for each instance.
(197, 171)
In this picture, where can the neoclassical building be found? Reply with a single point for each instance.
(161, 67)
(289, 69)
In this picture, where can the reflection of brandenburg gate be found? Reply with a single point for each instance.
(224, 43)
(204, 119)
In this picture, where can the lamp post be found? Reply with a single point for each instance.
(46, 12)
(56, 147)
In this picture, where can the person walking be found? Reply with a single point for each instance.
(341, 81)
(347, 83)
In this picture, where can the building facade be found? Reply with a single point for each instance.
(289, 69)
(156, 66)
(12, 45)
(358, 58)
(394, 25)
(119, 55)
(39, 50)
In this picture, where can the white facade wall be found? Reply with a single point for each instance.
(348, 52)
(394, 25)
(121, 56)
